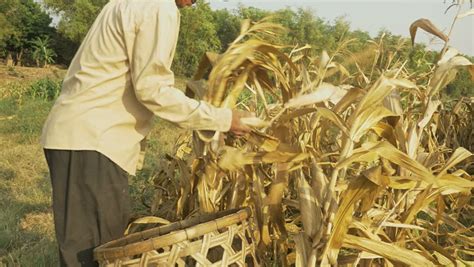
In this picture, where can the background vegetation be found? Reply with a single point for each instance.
(27, 39)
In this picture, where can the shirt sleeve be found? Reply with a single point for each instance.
(154, 44)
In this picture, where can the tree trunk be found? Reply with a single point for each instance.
(19, 57)
(9, 60)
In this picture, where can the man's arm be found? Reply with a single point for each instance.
(153, 50)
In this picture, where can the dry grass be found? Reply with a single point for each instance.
(10, 75)
(26, 219)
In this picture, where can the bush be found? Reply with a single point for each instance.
(42, 54)
(45, 89)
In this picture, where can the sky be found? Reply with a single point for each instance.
(374, 15)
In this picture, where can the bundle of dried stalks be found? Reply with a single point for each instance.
(341, 167)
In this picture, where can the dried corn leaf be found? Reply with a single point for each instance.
(393, 103)
(412, 140)
(443, 256)
(333, 117)
(310, 210)
(430, 110)
(366, 120)
(421, 201)
(275, 157)
(389, 152)
(465, 14)
(303, 250)
(381, 89)
(236, 89)
(455, 183)
(458, 156)
(254, 122)
(295, 114)
(428, 26)
(274, 199)
(389, 251)
(351, 97)
(386, 131)
(397, 183)
(446, 72)
(263, 141)
(232, 159)
(402, 225)
(324, 60)
(357, 189)
(320, 94)
(319, 181)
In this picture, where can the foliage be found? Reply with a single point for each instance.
(251, 13)
(42, 53)
(45, 89)
(77, 16)
(461, 87)
(227, 27)
(203, 29)
(24, 21)
(197, 35)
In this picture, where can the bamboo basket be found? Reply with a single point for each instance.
(220, 239)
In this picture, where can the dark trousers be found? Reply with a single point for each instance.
(91, 204)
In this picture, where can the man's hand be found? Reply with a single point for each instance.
(237, 127)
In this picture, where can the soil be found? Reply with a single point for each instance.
(26, 74)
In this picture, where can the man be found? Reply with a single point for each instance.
(119, 78)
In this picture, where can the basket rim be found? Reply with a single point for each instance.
(166, 235)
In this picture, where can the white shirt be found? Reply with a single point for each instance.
(119, 78)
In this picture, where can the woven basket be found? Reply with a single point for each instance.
(220, 239)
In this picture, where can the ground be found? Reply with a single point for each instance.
(26, 74)
(26, 228)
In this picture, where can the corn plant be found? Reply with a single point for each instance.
(341, 167)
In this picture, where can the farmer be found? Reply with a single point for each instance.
(119, 78)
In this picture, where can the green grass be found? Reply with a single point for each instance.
(26, 224)
(24, 120)
(26, 232)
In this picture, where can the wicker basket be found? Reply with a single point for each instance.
(220, 239)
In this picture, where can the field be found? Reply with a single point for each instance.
(26, 229)
(354, 158)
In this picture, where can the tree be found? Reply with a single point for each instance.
(227, 26)
(24, 20)
(303, 27)
(197, 36)
(252, 13)
(7, 28)
(76, 16)
(42, 53)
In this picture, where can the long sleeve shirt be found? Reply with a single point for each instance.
(119, 79)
